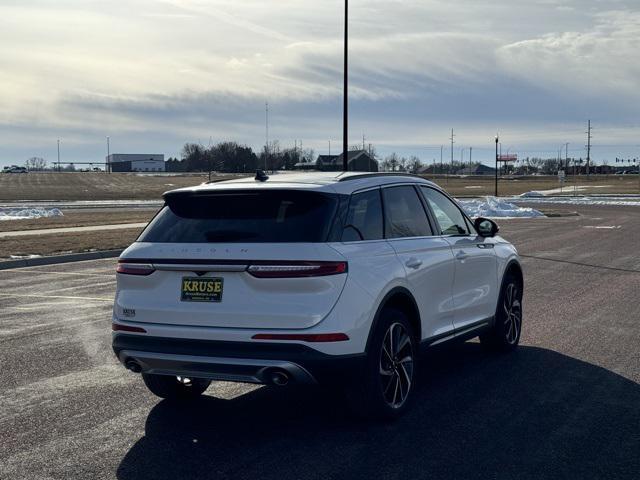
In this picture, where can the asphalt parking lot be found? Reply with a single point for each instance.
(565, 405)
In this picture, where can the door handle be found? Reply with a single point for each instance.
(461, 255)
(413, 263)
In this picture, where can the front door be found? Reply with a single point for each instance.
(475, 289)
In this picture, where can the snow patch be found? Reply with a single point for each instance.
(492, 207)
(532, 194)
(28, 213)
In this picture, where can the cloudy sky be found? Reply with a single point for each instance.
(154, 74)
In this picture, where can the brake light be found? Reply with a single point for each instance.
(303, 337)
(297, 269)
(134, 268)
(116, 327)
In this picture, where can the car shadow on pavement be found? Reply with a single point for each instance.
(533, 413)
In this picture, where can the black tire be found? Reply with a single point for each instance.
(505, 333)
(386, 387)
(175, 388)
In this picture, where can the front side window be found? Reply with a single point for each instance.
(450, 219)
(364, 218)
(404, 213)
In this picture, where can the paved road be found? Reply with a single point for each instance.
(93, 228)
(565, 405)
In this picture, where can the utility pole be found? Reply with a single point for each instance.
(266, 152)
(497, 140)
(441, 150)
(588, 147)
(345, 108)
(470, 154)
(566, 156)
(58, 155)
(452, 142)
(329, 147)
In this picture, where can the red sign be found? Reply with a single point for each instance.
(508, 158)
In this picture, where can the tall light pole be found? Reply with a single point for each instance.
(496, 182)
(108, 165)
(58, 155)
(345, 107)
(266, 152)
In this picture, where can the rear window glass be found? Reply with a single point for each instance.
(273, 216)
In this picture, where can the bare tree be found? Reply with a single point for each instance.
(414, 164)
(36, 163)
(392, 161)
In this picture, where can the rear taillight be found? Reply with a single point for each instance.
(297, 269)
(127, 268)
(116, 327)
(303, 337)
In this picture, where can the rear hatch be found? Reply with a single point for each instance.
(239, 259)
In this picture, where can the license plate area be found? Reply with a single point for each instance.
(201, 289)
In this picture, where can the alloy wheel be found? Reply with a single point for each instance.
(513, 314)
(396, 365)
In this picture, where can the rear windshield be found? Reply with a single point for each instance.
(273, 216)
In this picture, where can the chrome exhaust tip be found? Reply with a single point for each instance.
(279, 378)
(133, 366)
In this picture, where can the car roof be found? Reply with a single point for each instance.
(335, 182)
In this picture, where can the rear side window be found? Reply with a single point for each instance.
(364, 218)
(270, 216)
(448, 216)
(405, 216)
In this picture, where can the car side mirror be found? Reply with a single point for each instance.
(486, 227)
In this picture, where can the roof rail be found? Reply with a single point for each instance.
(378, 174)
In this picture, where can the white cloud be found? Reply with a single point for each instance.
(597, 62)
(183, 69)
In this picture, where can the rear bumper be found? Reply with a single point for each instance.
(251, 362)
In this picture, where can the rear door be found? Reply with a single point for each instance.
(475, 288)
(236, 259)
(427, 259)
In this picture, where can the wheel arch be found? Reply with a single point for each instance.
(514, 268)
(401, 299)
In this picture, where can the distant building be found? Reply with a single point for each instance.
(136, 162)
(359, 161)
(479, 169)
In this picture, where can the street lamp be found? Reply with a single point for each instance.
(108, 164)
(496, 172)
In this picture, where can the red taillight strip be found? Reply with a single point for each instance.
(296, 269)
(116, 327)
(303, 337)
(130, 268)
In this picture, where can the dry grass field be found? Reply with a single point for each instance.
(128, 186)
(90, 186)
(479, 186)
(81, 218)
(60, 243)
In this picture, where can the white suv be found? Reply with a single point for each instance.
(332, 278)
